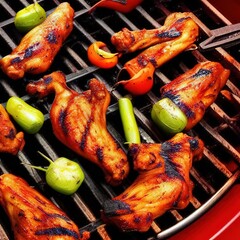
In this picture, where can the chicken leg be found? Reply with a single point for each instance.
(79, 122)
(195, 90)
(163, 183)
(32, 216)
(37, 49)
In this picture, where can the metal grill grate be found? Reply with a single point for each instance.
(219, 129)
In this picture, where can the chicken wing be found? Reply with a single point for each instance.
(194, 91)
(32, 216)
(79, 122)
(163, 183)
(37, 49)
(178, 34)
(131, 41)
(10, 141)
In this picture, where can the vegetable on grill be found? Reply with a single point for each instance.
(63, 175)
(129, 123)
(168, 116)
(123, 6)
(29, 17)
(101, 58)
(141, 82)
(29, 118)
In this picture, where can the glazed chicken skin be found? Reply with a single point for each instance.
(33, 216)
(79, 122)
(195, 90)
(163, 183)
(10, 141)
(130, 41)
(37, 49)
(178, 33)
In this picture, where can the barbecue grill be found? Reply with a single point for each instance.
(213, 175)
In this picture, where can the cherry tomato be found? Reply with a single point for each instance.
(101, 58)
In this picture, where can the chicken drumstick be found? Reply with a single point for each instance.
(163, 183)
(79, 122)
(37, 50)
(32, 216)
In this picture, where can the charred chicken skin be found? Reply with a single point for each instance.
(131, 41)
(163, 183)
(37, 49)
(32, 216)
(79, 122)
(178, 33)
(10, 141)
(194, 91)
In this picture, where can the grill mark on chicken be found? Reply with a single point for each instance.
(194, 144)
(202, 73)
(195, 90)
(172, 33)
(116, 207)
(57, 231)
(61, 120)
(100, 155)
(79, 122)
(158, 188)
(48, 80)
(167, 151)
(52, 37)
(177, 100)
(180, 20)
(38, 48)
(11, 134)
(32, 215)
(85, 135)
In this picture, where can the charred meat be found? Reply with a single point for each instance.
(37, 49)
(131, 41)
(178, 34)
(194, 91)
(163, 183)
(10, 141)
(32, 216)
(79, 122)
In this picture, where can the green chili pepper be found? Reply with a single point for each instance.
(29, 17)
(168, 116)
(129, 122)
(28, 117)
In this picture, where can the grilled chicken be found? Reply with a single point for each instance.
(79, 122)
(178, 33)
(32, 216)
(131, 41)
(194, 91)
(37, 49)
(163, 183)
(10, 141)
